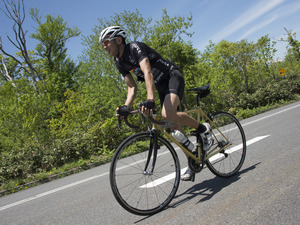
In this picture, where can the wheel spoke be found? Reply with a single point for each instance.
(227, 165)
(139, 192)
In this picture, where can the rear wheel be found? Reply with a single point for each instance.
(231, 148)
(141, 191)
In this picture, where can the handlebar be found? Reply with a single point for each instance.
(162, 123)
(127, 122)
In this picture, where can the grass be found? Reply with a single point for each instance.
(35, 179)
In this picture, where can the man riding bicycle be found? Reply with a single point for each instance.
(150, 67)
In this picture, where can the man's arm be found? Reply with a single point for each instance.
(146, 68)
(131, 89)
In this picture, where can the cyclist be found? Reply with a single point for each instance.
(150, 67)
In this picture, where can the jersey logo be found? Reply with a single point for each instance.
(131, 60)
(139, 51)
(135, 69)
(163, 62)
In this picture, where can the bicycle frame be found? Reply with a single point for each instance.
(200, 116)
(149, 175)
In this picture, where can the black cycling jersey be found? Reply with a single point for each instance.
(134, 53)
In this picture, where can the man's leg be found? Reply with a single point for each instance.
(169, 112)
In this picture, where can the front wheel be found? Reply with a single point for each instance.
(229, 142)
(139, 187)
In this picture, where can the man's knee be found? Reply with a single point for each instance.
(169, 115)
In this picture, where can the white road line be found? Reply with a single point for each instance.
(274, 114)
(238, 147)
(161, 180)
(51, 192)
(95, 177)
(215, 157)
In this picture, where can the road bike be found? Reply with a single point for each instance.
(145, 169)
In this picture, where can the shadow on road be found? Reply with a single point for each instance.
(208, 188)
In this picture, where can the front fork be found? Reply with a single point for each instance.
(152, 153)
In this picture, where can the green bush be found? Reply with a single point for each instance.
(272, 93)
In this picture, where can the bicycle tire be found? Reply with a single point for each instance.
(228, 162)
(136, 191)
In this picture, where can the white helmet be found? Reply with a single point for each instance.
(111, 32)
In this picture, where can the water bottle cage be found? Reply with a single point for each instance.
(186, 143)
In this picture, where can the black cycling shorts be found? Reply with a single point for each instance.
(174, 83)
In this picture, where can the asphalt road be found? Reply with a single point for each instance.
(266, 191)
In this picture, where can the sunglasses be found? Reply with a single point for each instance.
(107, 41)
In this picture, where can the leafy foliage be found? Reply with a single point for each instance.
(72, 119)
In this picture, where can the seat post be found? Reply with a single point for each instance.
(198, 99)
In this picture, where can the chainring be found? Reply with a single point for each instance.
(195, 167)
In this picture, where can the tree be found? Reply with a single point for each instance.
(16, 12)
(265, 52)
(166, 36)
(136, 25)
(293, 43)
(52, 36)
(244, 60)
(57, 70)
(292, 58)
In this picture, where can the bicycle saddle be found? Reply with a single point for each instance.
(201, 91)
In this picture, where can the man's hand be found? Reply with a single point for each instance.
(149, 104)
(148, 107)
(123, 111)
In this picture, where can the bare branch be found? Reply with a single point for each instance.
(7, 54)
(16, 12)
(5, 72)
(8, 13)
(11, 41)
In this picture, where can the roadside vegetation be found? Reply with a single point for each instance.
(57, 115)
